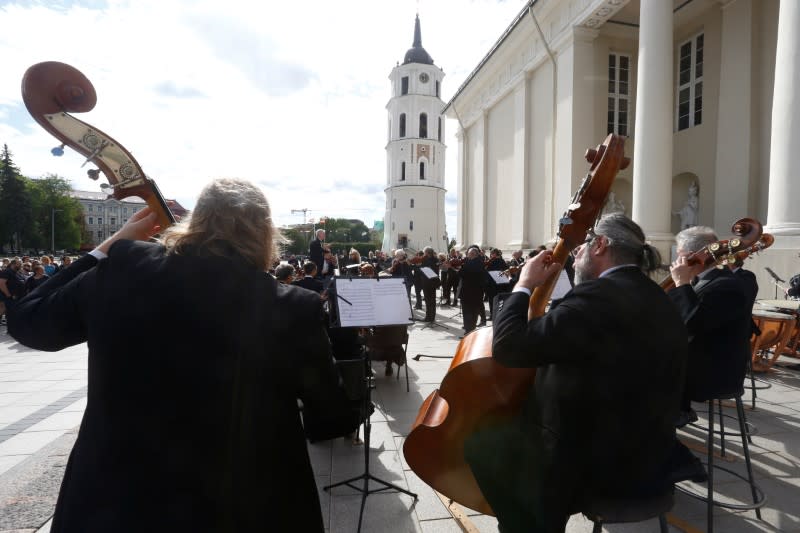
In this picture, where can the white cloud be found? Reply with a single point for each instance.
(291, 95)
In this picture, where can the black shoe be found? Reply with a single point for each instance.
(418, 307)
(482, 323)
(685, 418)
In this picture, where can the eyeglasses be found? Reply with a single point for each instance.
(590, 237)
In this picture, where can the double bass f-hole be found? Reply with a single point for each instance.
(51, 91)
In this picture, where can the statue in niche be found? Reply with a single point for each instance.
(613, 205)
(688, 212)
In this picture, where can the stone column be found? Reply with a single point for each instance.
(520, 208)
(652, 156)
(462, 205)
(783, 214)
(575, 132)
(734, 120)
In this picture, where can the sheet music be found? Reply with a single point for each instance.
(498, 277)
(429, 273)
(563, 286)
(372, 302)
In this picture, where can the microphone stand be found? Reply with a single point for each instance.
(776, 280)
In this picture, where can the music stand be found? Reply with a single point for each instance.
(368, 302)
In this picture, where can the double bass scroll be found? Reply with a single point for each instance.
(477, 391)
(51, 91)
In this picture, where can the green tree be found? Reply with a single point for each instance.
(15, 208)
(55, 209)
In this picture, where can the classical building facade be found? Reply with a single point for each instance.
(104, 215)
(415, 216)
(710, 122)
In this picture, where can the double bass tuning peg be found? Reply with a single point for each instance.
(58, 151)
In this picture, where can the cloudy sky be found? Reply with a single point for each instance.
(290, 95)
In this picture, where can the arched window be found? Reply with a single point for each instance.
(411, 225)
(422, 170)
(403, 171)
(394, 202)
(404, 85)
(412, 203)
(423, 126)
(440, 129)
(402, 124)
(437, 89)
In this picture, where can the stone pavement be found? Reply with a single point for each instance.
(42, 396)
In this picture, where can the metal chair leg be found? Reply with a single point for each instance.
(710, 497)
(743, 431)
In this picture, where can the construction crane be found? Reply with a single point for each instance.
(305, 210)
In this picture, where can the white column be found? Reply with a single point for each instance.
(734, 122)
(520, 210)
(783, 215)
(462, 204)
(652, 155)
(575, 131)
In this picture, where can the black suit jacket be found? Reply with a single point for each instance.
(718, 315)
(598, 422)
(195, 367)
(310, 283)
(316, 254)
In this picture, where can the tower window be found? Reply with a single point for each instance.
(423, 126)
(422, 170)
(394, 202)
(411, 225)
(402, 124)
(437, 89)
(412, 203)
(440, 130)
(392, 226)
(403, 171)
(404, 85)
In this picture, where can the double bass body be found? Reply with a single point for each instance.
(477, 391)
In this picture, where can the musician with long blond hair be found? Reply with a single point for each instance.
(197, 358)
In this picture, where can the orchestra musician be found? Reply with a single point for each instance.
(429, 285)
(496, 263)
(316, 251)
(473, 282)
(455, 260)
(218, 432)
(718, 315)
(401, 269)
(610, 355)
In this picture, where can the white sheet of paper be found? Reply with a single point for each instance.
(372, 302)
(498, 277)
(563, 286)
(429, 273)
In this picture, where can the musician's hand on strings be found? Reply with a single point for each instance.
(682, 272)
(537, 270)
(140, 227)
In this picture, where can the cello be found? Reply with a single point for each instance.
(477, 391)
(51, 90)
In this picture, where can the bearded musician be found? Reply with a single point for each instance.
(615, 340)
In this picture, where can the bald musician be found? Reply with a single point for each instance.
(598, 423)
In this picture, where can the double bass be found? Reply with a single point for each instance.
(749, 239)
(477, 391)
(51, 91)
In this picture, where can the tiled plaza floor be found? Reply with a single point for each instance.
(42, 397)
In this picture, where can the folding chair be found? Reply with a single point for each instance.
(389, 343)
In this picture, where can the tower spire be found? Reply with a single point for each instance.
(417, 34)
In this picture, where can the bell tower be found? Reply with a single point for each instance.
(415, 216)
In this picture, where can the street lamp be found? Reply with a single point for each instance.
(53, 212)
